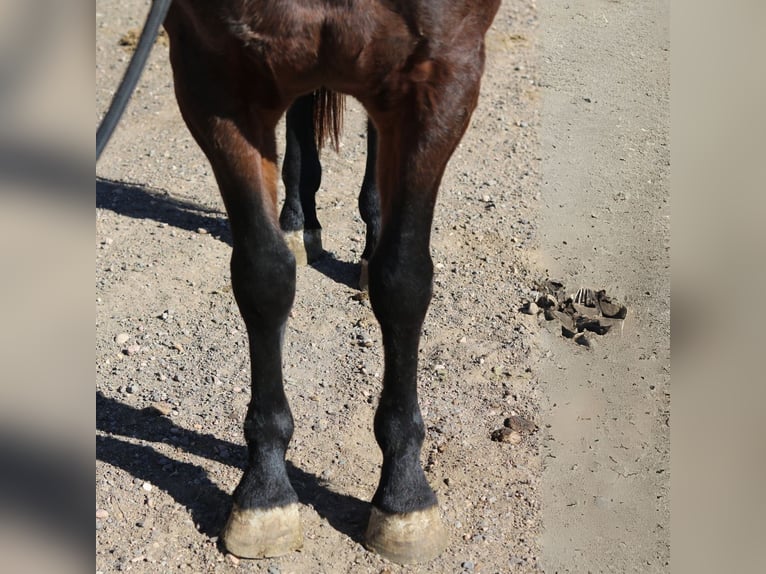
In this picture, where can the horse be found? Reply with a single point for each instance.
(416, 68)
(310, 121)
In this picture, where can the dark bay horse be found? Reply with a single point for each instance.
(416, 67)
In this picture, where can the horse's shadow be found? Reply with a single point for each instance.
(141, 202)
(188, 483)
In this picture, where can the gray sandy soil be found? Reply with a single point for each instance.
(605, 224)
(171, 356)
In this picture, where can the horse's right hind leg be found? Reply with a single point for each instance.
(301, 174)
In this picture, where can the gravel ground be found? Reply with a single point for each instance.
(171, 354)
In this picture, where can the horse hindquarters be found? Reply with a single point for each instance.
(302, 174)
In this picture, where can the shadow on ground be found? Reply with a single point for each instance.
(140, 202)
(188, 483)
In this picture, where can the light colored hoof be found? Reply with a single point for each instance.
(262, 533)
(312, 240)
(294, 240)
(410, 538)
(364, 276)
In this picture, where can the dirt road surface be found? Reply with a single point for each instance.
(562, 175)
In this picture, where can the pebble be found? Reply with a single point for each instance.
(506, 435)
(202, 231)
(233, 559)
(131, 389)
(162, 408)
(519, 424)
(273, 570)
(584, 340)
(547, 301)
(132, 350)
(122, 338)
(468, 566)
(102, 514)
(530, 308)
(147, 486)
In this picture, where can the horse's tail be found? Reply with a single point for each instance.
(328, 117)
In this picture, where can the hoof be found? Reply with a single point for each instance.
(410, 538)
(294, 240)
(312, 240)
(262, 533)
(364, 276)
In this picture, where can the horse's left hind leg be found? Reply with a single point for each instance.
(301, 173)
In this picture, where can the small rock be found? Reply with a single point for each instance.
(520, 424)
(610, 309)
(506, 435)
(233, 559)
(102, 514)
(586, 311)
(584, 340)
(547, 301)
(132, 350)
(131, 389)
(147, 486)
(202, 231)
(529, 308)
(122, 338)
(162, 408)
(468, 566)
(273, 570)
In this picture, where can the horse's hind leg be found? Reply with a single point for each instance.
(415, 144)
(301, 173)
(369, 204)
(240, 145)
